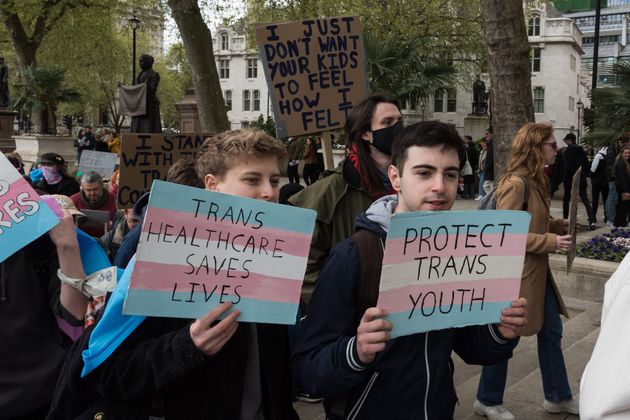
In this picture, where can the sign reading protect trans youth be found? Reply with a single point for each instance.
(199, 249)
(145, 157)
(23, 216)
(315, 71)
(451, 269)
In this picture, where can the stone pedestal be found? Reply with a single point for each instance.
(31, 147)
(7, 144)
(476, 125)
(188, 113)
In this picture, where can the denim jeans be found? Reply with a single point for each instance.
(551, 360)
(611, 202)
(481, 191)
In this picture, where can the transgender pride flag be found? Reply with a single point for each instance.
(451, 269)
(200, 248)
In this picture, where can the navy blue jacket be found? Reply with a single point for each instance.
(411, 379)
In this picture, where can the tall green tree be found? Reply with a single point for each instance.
(510, 75)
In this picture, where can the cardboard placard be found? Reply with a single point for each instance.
(23, 216)
(573, 209)
(199, 249)
(315, 71)
(102, 162)
(451, 269)
(145, 157)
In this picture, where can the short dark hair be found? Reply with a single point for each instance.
(426, 134)
(570, 136)
(184, 172)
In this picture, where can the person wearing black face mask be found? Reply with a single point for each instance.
(355, 184)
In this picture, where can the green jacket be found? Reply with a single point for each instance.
(338, 200)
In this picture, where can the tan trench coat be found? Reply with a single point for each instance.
(541, 240)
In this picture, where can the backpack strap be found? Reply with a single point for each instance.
(370, 250)
(526, 194)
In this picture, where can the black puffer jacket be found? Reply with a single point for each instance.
(32, 347)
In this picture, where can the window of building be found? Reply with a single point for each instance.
(571, 104)
(534, 26)
(256, 100)
(438, 101)
(224, 69)
(252, 68)
(451, 101)
(539, 99)
(247, 100)
(535, 59)
(573, 62)
(244, 124)
(227, 95)
(225, 41)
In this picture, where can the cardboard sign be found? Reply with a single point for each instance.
(573, 209)
(451, 269)
(145, 157)
(315, 71)
(23, 216)
(199, 249)
(102, 162)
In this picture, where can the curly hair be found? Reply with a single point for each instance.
(527, 156)
(223, 150)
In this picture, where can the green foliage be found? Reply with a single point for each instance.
(268, 126)
(41, 91)
(609, 116)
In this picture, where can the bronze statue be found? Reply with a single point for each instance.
(151, 122)
(4, 84)
(480, 97)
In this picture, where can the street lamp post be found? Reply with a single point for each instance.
(579, 106)
(134, 22)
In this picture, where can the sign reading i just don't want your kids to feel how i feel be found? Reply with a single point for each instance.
(200, 248)
(451, 269)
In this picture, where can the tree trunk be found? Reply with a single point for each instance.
(197, 41)
(503, 24)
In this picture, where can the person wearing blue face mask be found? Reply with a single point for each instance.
(54, 178)
(355, 184)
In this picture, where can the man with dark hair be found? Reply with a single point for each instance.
(407, 377)
(575, 158)
(351, 187)
(94, 196)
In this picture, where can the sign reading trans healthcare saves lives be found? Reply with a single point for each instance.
(199, 249)
(451, 269)
(23, 216)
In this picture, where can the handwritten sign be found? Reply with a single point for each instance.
(199, 249)
(315, 71)
(102, 162)
(451, 269)
(23, 216)
(145, 157)
(573, 209)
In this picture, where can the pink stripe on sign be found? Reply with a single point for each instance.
(398, 300)
(283, 241)
(28, 197)
(513, 245)
(162, 277)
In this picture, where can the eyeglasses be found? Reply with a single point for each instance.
(553, 145)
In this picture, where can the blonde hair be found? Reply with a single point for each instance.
(527, 155)
(222, 151)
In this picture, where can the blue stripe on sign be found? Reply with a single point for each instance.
(23, 233)
(156, 303)
(276, 216)
(519, 221)
(436, 320)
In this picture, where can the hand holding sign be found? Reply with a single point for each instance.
(513, 319)
(563, 243)
(372, 334)
(210, 339)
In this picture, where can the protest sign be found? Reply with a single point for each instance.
(200, 248)
(451, 269)
(23, 216)
(573, 208)
(145, 157)
(315, 71)
(102, 162)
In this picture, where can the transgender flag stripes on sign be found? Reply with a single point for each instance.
(451, 269)
(200, 248)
